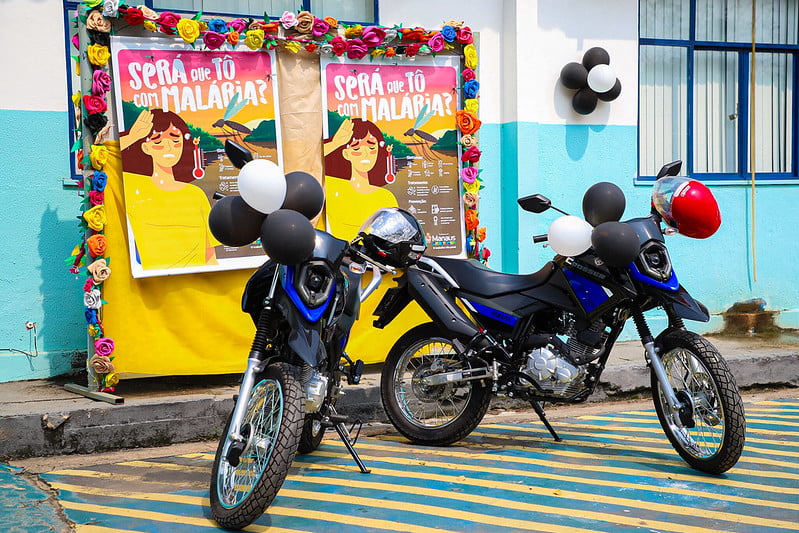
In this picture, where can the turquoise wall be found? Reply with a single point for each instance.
(562, 161)
(39, 230)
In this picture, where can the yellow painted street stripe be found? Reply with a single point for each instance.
(626, 458)
(167, 466)
(196, 500)
(591, 468)
(127, 478)
(749, 419)
(637, 438)
(88, 528)
(554, 477)
(779, 404)
(647, 421)
(606, 516)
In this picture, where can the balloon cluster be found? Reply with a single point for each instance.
(274, 207)
(616, 243)
(593, 79)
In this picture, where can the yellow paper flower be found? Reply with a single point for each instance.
(111, 379)
(98, 55)
(470, 56)
(353, 31)
(98, 156)
(149, 25)
(188, 30)
(77, 99)
(93, 330)
(377, 52)
(473, 187)
(293, 46)
(471, 104)
(203, 25)
(254, 39)
(95, 217)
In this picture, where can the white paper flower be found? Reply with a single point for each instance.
(92, 299)
(391, 34)
(110, 8)
(326, 48)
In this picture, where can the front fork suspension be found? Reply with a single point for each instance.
(265, 332)
(677, 405)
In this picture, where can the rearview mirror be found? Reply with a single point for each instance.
(237, 154)
(669, 169)
(536, 203)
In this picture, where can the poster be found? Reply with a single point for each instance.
(176, 107)
(391, 140)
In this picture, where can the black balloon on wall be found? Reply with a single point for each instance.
(579, 77)
(233, 222)
(303, 194)
(611, 94)
(584, 101)
(573, 75)
(595, 56)
(287, 236)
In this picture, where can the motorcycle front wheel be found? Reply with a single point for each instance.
(700, 377)
(246, 476)
(435, 415)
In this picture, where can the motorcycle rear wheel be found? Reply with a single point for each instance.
(272, 424)
(435, 415)
(698, 374)
(312, 434)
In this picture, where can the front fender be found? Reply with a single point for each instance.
(684, 305)
(304, 337)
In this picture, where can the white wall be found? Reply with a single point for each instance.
(33, 57)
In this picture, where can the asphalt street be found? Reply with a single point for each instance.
(614, 471)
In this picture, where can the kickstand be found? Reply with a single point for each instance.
(341, 429)
(540, 412)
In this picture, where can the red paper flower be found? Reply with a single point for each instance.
(134, 16)
(339, 45)
(472, 155)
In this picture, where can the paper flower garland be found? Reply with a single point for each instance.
(593, 79)
(295, 33)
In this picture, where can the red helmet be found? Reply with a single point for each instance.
(687, 205)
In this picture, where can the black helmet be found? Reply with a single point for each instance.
(394, 237)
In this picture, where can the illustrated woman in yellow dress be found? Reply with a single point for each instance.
(167, 214)
(357, 166)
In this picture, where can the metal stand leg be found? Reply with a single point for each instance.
(540, 412)
(344, 434)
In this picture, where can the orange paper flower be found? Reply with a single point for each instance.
(97, 245)
(467, 121)
(471, 219)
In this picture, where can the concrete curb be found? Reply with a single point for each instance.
(41, 418)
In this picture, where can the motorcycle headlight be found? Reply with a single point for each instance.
(654, 261)
(314, 282)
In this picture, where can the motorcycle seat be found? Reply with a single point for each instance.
(476, 278)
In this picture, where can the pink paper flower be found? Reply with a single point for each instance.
(465, 35)
(213, 40)
(288, 20)
(356, 49)
(468, 74)
(436, 42)
(339, 45)
(104, 346)
(237, 25)
(319, 28)
(168, 22)
(101, 82)
(373, 36)
(469, 174)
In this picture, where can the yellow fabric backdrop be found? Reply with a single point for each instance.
(193, 323)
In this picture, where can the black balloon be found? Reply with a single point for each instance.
(616, 243)
(603, 202)
(584, 101)
(303, 194)
(573, 76)
(612, 94)
(595, 56)
(233, 222)
(287, 236)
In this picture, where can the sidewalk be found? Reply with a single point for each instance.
(41, 418)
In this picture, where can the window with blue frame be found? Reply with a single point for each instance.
(697, 71)
(344, 10)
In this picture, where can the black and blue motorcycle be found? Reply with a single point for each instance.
(304, 304)
(546, 337)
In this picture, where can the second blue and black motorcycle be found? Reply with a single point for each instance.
(546, 337)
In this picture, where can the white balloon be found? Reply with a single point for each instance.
(570, 235)
(262, 185)
(601, 78)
